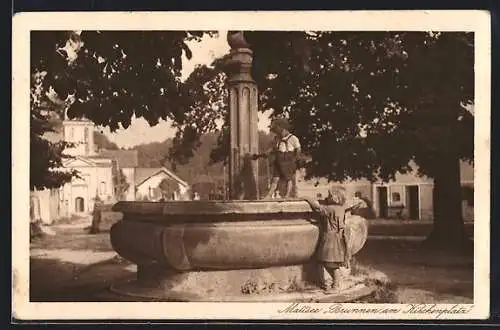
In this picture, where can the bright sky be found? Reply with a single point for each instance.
(139, 132)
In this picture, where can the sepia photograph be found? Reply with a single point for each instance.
(251, 165)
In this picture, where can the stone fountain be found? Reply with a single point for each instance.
(242, 249)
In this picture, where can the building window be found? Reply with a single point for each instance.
(103, 188)
(395, 195)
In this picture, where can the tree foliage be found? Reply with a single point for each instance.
(107, 77)
(46, 157)
(356, 98)
(365, 104)
(353, 97)
(114, 75)
(206, 113)
(359, 97)
(168, 187)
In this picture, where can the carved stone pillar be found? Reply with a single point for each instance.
(243, 106)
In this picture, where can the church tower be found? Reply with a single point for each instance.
(80, 132)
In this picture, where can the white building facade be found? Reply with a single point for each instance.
(148, 181)
(95, 172)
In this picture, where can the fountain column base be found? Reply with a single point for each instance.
(273, 284)
(157, 283)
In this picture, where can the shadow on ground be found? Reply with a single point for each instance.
(419, 275)
(52, 280)
(73, 239)
(75, 266)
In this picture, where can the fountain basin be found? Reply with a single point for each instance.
(207, 249)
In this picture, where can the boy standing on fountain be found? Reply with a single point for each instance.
(285, 152)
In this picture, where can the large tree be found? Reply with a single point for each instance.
(120, 183)
(168, 187)
(365, 104)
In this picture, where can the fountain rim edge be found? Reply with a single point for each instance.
(205, 207)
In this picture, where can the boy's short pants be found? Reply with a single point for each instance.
(285, 166)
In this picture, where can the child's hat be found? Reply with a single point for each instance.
(280, 122)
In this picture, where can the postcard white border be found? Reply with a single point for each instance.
(422, 20)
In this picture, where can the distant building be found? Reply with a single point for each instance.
(97, 175)
(127, 161)
(95, 171)
(96, 180)
(408, 196)
(147, 182)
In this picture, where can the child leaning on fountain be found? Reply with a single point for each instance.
(332, 250)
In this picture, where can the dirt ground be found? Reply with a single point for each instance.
(73, 266)
(420, 276)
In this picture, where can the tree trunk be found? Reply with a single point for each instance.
(95, 227)
(448, 230)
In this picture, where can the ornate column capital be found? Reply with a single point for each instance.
(238, 63)
(236, 40)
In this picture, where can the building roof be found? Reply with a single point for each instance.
(86, 161)
(144, 173)
(124, 158)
